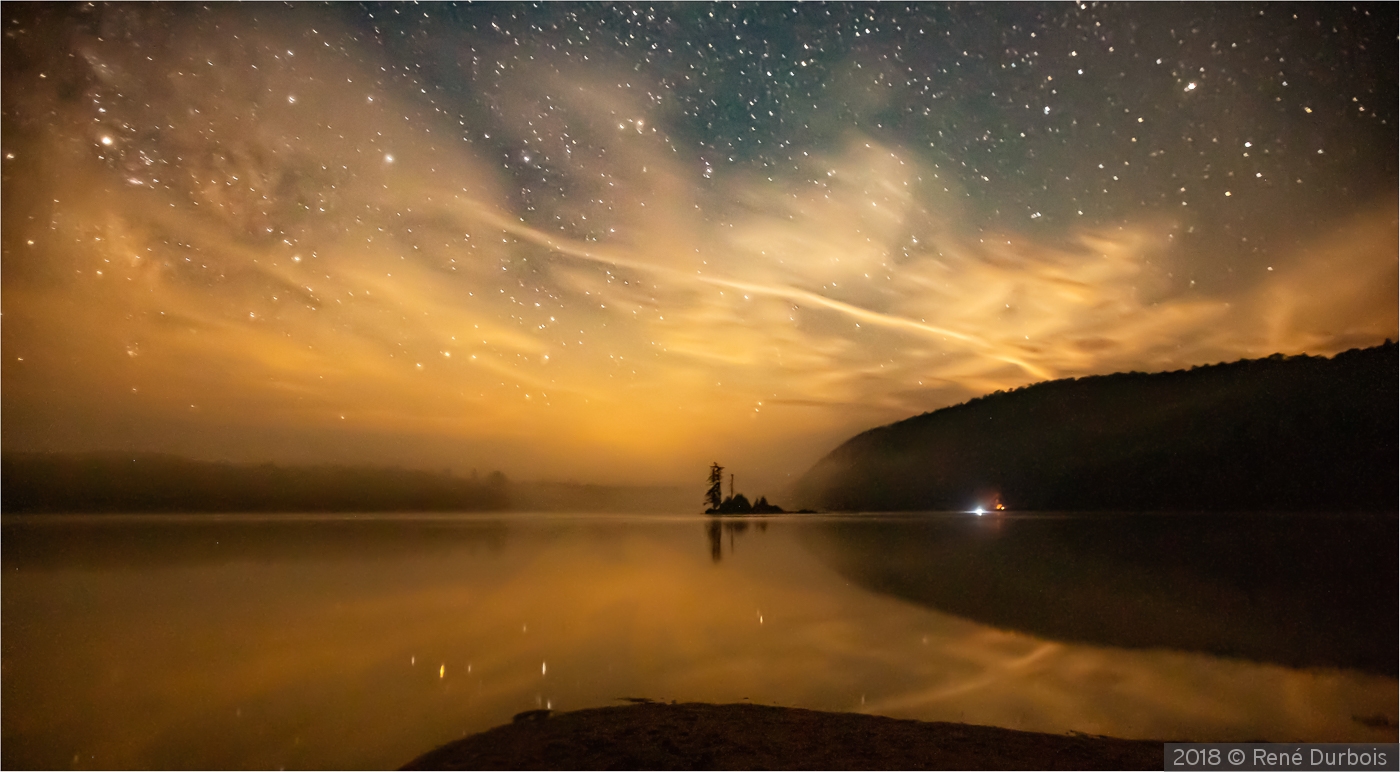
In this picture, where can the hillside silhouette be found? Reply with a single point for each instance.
(1298, 433)
(134, 482)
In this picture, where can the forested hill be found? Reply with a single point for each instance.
(1282, 433)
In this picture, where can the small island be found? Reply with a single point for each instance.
(737, 503)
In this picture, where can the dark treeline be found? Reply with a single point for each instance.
(1284, 433)
(115, 482)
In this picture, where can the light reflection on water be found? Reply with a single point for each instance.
(362, 642)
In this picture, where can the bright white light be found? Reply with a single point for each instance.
(1190, 86)
(978, 511)
(388, 158)
(107, 140)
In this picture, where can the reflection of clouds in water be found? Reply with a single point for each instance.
(272, 235)
(1151, 694)
(693, 634)
(328, 661)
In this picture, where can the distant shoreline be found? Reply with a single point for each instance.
(653, 735)
(113, 482)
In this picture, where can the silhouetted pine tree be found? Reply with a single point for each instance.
(715, 495)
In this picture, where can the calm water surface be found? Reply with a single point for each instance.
(363, 641)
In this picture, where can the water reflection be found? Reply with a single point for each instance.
(1294, 589)
(298, 651)
(718, 527)
(139, 542)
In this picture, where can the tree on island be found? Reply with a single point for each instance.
(714, 496)
(735, 503)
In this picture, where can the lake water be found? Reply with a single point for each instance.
(363, 641)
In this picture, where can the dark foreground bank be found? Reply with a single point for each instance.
(701, 736)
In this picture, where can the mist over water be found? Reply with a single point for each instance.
(363, 641)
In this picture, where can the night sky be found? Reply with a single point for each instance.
(615, 243)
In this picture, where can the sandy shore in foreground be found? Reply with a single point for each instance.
(702, 736)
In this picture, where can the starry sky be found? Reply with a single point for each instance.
(615, 243)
